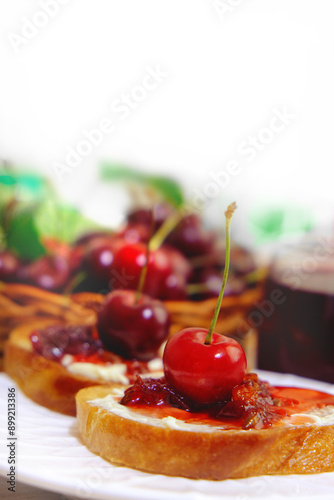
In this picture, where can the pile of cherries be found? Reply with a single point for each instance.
(187, 265)
(201, 367)
(206, 372)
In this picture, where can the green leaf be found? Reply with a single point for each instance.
(22, 235)
(26, 181)
(62, 222)
(171, 191)
(166, 187)
(269, 223)
(7, 180)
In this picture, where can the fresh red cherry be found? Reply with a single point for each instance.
(48, 272)
(167, 271)
(242, 260)
(205, 373)
(179, 262)
(134, 327)
(207, 283)
(135, 233)
(9, 264)
(128, 264)
(144, 216)
(191, 238)
(201, 364)
(174, 288)
(170, 272)
(93, 263)
(99, 256)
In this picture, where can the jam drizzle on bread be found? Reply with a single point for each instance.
(254, 404)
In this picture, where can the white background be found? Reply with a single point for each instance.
(227, 72)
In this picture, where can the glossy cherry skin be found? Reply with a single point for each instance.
(135, 233)
(167, 270)
(206, 374)
(132, 329)
(49, 272)
(161, 212)
(212, 279)
(174, 287)
(179, 262)
(9, 264)
(99, 256)
(191, 238)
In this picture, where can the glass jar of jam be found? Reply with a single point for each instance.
(296, 331)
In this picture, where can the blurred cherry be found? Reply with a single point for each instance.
(99, 256)
(191, 238)
(50, 272)
(207, 283)
(133, 327)
(135, 233)
(9, 265)
(143, 216)
(166, 276)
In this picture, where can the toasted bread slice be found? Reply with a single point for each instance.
(47, 382)
(299, 444)
(21, 304)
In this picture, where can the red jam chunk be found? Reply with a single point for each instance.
(154, 392)
(54, 341)
(83, 344)
(253, 401)
(254, 404)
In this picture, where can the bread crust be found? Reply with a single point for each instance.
(46, 382)
(215, 455)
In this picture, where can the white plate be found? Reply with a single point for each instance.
(50, 456)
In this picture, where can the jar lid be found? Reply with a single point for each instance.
(307, 265)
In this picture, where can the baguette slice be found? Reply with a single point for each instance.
(21, 304)
(46, 382)
(169, 446)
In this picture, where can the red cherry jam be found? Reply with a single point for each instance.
(54, 341)
(154, 392)
(84, 345)
(254, 404)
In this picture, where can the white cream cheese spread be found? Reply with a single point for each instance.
(108, 403)
(319, 416)
(111, 372)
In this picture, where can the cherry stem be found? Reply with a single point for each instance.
(228, 215)
(147, 256)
